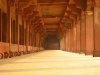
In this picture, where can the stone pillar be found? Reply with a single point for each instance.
(62, 44)
(17, 28)
(9, 23)
(37, 40)
(74, 38)
(12, 30)
(42, 43)
(34, 40)
(30, 41)
(65, 42)
(0, 26)
(68, 40)
(89, 33)
(96, 51)
(71, 40)
(83, 34)
(23, 24)
(27, 35)
(78, 36)
(39, 43)
(67, 37)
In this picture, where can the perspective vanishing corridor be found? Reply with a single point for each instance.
(49, 37)
(51, 62)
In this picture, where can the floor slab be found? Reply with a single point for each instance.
(51, 62)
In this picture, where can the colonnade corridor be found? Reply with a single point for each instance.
(51, 62)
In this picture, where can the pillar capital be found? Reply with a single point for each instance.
(97, 3)
(89, 12)
(83, 15)
(8, 2)
(89, 9)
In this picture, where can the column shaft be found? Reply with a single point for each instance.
(83, 35)
(96, 51)
(89, 35)
(78, 33)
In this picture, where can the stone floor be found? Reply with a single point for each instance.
(51, 62)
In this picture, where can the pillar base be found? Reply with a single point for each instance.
(82, 51)
(96, 53)
(1, 56)
(88, 53)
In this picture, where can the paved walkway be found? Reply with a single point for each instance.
(51, 62)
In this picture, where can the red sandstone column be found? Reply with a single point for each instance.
(67, 41)
(74, 38)
(40, 43)
(16, 25)
(23, 24)
(89, 33)
(71, 40)
(18, 29)
(31, 41)
(27, 35)
(34, 40)
(78, 36)
(37, 41)
(83, 34)
(64, 43)
(24, 36)
(96, 51)
(0, 27)
(31, 38)
(40, 40)
(9, 23)
(61, 44)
